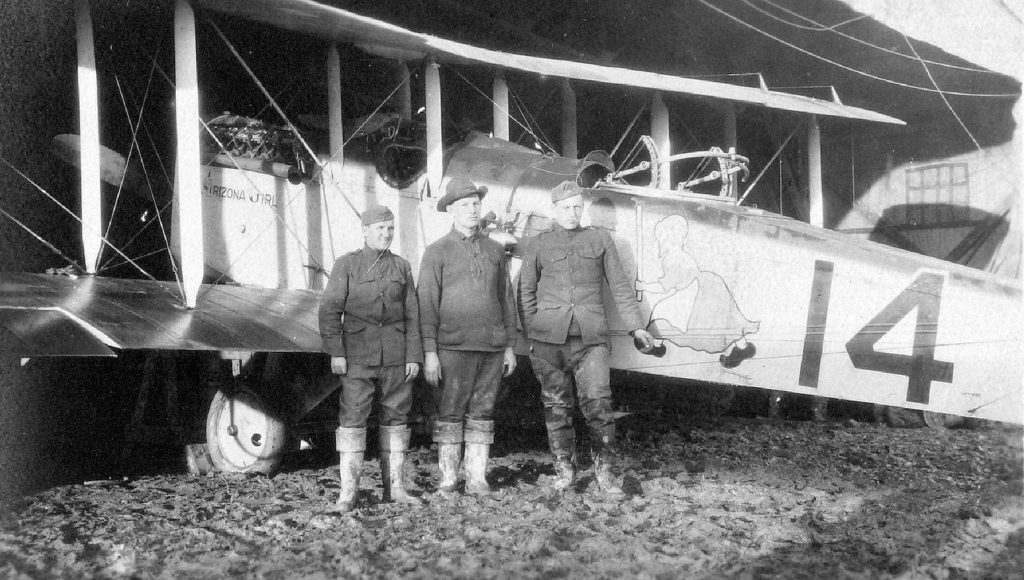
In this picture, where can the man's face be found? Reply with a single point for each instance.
(568, 212)
(379, 235)
(466, 212)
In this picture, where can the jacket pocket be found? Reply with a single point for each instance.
(446, 334)
(591, 252)
(498, 336)
(555, 256)
(543, 320)
(394, 287)
(353, 326)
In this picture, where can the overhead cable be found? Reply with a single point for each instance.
(819, 27)
(849, 68)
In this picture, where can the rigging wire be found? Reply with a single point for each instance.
(52, 247)
(293, 198)
(274, 104)
(135, 147)
(140, 257)
(845, 67)
(542, 139)
(73, 215)
(636, 117)
(106, 265)
(817, 26)
(510, 116)
(943, 95)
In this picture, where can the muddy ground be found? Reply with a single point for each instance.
(711, 494)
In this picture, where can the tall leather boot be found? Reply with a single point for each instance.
(448, 437)
(604, 450)
(479, 437)
(350, 443)
(564, 450)
(394, 442)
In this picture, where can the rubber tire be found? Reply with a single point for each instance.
(262, 438)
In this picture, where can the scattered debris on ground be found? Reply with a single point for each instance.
(730, 497)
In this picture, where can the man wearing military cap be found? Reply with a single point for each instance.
(369, 322)
(467, 319)
(563, 275)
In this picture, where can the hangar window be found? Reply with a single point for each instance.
(938, 194)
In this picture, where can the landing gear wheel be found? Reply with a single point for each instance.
(244, 435)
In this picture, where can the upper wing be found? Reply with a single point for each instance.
(47, 315)
(375, 36)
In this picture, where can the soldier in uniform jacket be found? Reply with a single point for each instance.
(563, 275)
(467, 318)
(369, 322)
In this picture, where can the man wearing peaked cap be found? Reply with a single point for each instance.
(459, 188)
(467, 320)
(376, 214)
(561, 282)
(369, 322)
(565, 190)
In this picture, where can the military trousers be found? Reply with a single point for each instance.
(570, 370)
(387, 384)
(469, 385)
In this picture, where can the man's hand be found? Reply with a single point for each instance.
(431, 368)
(411, 370)
(510, 361)
(339, 365)
(644, 338)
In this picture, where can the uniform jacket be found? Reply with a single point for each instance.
(562, 278)
(369, 313)
(465, 295)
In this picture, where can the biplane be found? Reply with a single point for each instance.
(736, 295)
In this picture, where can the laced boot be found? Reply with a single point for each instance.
(351, 443)
(479, 437)
(449, 454)
(394, 442)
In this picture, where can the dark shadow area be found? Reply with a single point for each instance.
(951, 232)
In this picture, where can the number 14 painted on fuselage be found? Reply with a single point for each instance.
(920, 367)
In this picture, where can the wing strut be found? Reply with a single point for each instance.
(499, 101)
(816, 213)
(189, 220)
(662, 141)
(435, 143)
(89, 128)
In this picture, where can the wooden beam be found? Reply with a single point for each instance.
(89, 128)
(336, 133)
(435, 141)
(188, 185)
(729, 127)
(569, 144)
(815, 189)
(662, 139)
(499, 94)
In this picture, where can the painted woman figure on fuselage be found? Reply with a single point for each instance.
(691, 307)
